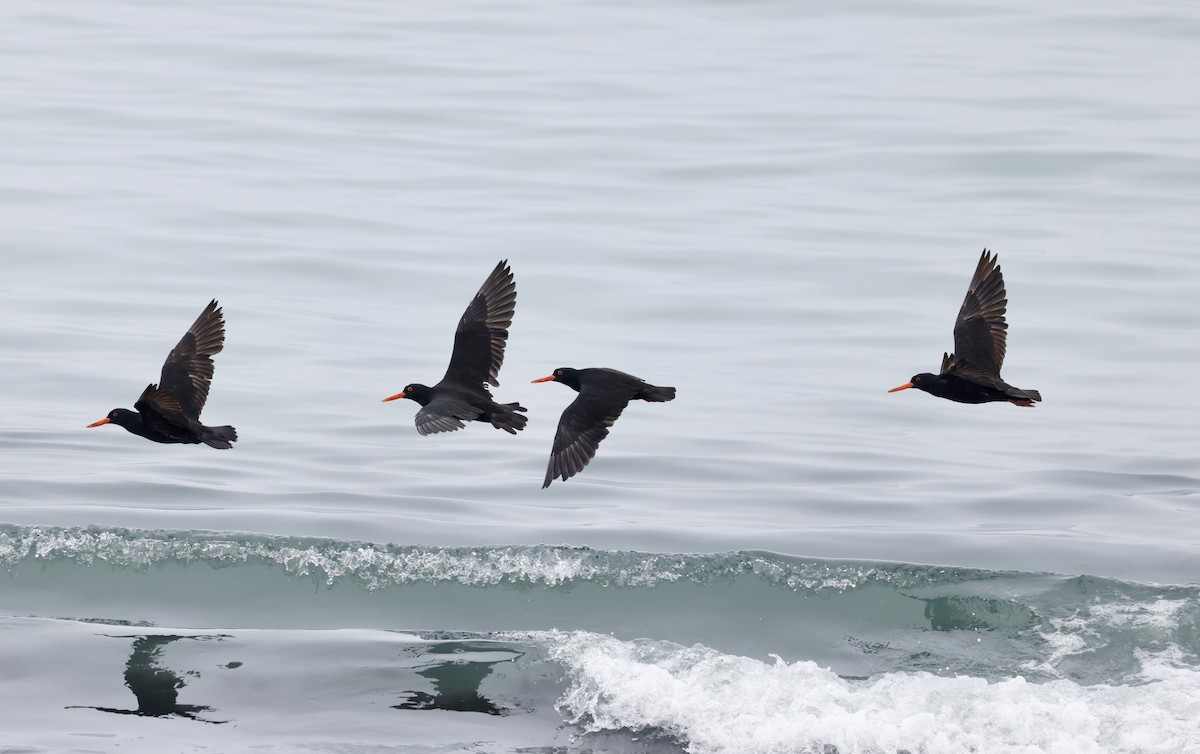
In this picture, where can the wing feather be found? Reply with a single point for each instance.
(584, 424)
(157, 405)
(964, 369)
(980, 331)
(444, 415)
(188, 370)
(483, 331)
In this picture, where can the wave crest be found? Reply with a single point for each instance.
(380, 565)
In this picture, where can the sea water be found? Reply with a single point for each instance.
(773, 207)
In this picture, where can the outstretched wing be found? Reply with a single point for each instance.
(964, 369)
(980, 332)
(188, 370)
(583, 425)
(160, 409)
(444, 415)
(483, 331)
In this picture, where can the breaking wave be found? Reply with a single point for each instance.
(380, 565)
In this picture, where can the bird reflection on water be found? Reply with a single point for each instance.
(456, 681)
(155, 687)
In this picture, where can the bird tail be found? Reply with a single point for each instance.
(508, 419)
(1024, 398)
(221, 438)
(655, 394)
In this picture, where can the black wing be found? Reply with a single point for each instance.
(583, 425)
(980, 332)
(444, 415)
(188, 370)
(162, 412)
(483, 331)
(964, 369)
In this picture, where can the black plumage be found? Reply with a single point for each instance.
(603, 395)
(169, 411)
(462, 394)
(972, 373)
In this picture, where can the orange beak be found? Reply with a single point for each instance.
(543, 379)
(105, 420)
(905, 386)
(394, 397)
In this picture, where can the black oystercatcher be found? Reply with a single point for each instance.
(170, 411)
(603, 395)
(462, 395)
(972, 373)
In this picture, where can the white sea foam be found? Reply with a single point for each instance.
(1155, 621)
(1159, 614)
(718, 704)
(378, 565)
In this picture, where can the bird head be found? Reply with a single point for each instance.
(415, 392)
(122, 417)
(930, 383)
(565, 375)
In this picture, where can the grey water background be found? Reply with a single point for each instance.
(774, 207)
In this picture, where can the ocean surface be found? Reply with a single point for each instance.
(773, 206)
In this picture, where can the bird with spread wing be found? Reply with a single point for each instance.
(972, 373)
(169, 412)
(462, 394)
(603, 395)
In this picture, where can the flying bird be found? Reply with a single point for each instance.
(169, 412)
(603, 395)
(972, 373)
(462, 395)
